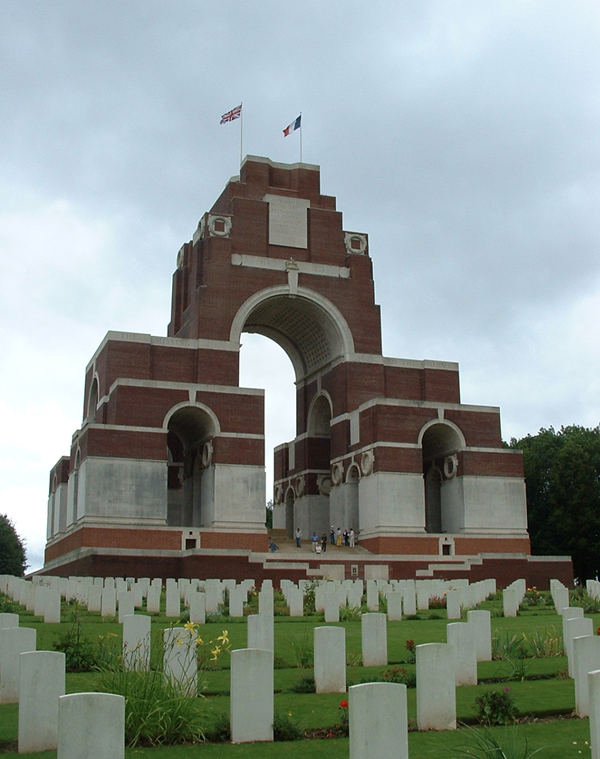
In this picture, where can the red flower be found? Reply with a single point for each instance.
(343, 704)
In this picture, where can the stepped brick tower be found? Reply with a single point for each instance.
(166, 472)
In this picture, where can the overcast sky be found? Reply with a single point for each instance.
(461, 135)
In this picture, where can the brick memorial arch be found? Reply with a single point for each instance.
(167, 470)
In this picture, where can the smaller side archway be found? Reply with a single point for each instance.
(444, 501)
(190, 432)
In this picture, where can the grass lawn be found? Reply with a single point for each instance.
(538, 685)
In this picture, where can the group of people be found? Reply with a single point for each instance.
(336, 538)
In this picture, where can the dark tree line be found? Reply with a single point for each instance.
(562, 475)
(12, 550)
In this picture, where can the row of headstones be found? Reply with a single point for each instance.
(107, 595)
(436, 709)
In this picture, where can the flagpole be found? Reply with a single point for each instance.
(300, 136)
(241, 133)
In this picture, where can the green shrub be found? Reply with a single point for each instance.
(220, 730)
(350, 613)
(394, 675)
(80, 653)
(508, 646)
(285, 728)
(302, 649)
(483, 745)
(304, 685)
(495, 708)
(544, 645)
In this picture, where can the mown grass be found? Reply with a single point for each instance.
(535, 698)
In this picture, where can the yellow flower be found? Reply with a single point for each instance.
(199, 642)
(111, 635)
(189, 626)
(180, 642)
(224, 638)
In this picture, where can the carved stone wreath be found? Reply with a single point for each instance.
(366, 462)
(207, 454)
(337, 473)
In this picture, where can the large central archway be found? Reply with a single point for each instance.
(310, 329)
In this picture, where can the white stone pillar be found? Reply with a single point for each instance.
(481, 621)
(91, 726)
(330, 659)
(41, 683)
(378, 721)
(436, 688)
(461, 636)
(251, 716)
(14, 641)
(374, 640)
(136, 642)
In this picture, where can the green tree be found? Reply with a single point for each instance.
(12, 550)
(562, 475)
(269, 515)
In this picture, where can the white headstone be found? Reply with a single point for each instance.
(586, 657)
(594, 709)
(374, 640)
(13, 641)
(378, 721)
(197, 608)
(41, 683)
(91, 726)
(481, 621)
(461, 635)
(330, 659)
(180, 662)
(251, 695)
(436, 688)
(109, 602)
(575, 628)
(136, 642)
(261, 632)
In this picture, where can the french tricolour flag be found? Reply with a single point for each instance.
(293, 126)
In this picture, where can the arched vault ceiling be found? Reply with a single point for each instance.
(305, 331)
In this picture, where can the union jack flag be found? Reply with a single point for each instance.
(231, 115)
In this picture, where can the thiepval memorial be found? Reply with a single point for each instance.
(166, 476)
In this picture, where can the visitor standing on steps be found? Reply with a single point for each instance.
(298, 537)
